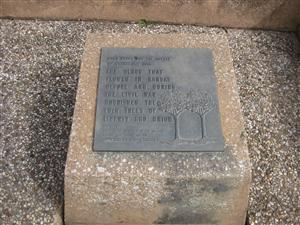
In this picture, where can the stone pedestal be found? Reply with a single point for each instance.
(156, 187)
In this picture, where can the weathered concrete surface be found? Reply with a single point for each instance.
(270, 14)
(147, 188)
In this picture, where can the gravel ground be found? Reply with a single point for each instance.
(40, 63)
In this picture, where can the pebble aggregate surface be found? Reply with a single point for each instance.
(39, 70)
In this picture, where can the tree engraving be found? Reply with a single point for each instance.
(180, 99)
(173, 103)
(200, 103)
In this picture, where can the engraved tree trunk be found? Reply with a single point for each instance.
(203, 126)
(176, 126)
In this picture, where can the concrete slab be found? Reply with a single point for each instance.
(271, 14)
(152, 187)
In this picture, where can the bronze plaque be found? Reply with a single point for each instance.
(162, 99)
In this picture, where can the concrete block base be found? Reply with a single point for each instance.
(156, 187)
